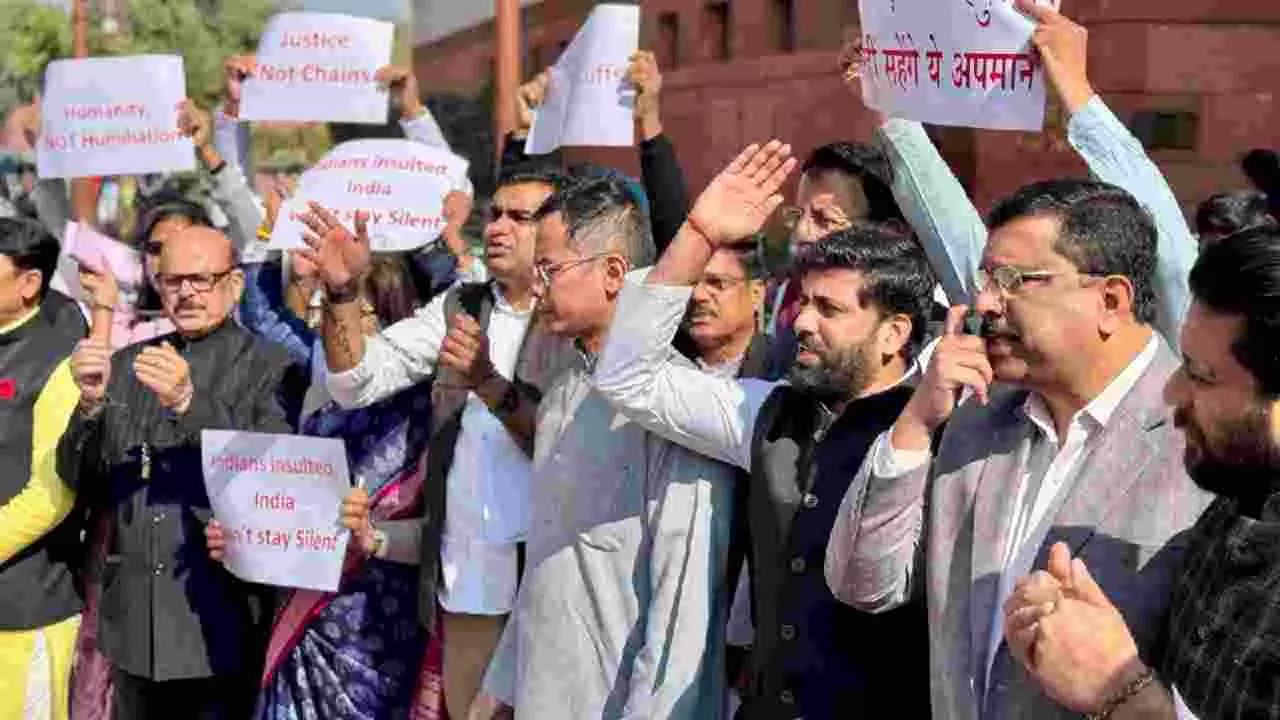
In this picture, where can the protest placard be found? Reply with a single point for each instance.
(589, 101)
(279, 499)
(113, 116)
(82, 246)
(317, 67)
(952, 62)
(401, 184)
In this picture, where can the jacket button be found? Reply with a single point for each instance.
(798, 565)
(788, 632)
(810, 501)
(787, 698)
(157, 518)
(159, 569)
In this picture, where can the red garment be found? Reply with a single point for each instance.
(789, 310)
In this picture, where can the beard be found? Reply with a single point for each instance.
(842, 374)
(1244, 465)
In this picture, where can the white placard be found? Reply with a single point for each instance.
(316, 67)
(84, 246)
(952, 62)
(401, 184)
(279, 500)
(589, 100)
(113, 116)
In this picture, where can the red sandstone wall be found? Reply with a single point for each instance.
(1217, 58)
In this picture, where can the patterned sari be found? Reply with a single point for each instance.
(361, 653)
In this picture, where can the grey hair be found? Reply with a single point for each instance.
(603, 216)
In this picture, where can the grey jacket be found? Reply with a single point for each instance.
(938, 530)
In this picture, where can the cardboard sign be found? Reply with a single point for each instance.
(316, 67)
(279, 500)
(401, 184)
(113, 116)
(952, 62)
(589, 101)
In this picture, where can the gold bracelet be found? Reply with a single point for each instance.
(1127, 693)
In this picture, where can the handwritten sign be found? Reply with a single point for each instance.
(589, 101)
(82, 246)
(278, 497)
(113, 116)
(319, 67)
(952, 62)
(401, 184)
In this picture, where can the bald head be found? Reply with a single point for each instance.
(197, 246)
(198, 280)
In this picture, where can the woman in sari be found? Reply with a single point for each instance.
(357, 653)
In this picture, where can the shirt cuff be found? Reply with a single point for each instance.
(890, 463)
(1180, 708)
(345, 387)
(1090, 126)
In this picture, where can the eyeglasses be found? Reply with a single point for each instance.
(515, 215)
(825, 221)
(546, 272)
(199, 282)
(1009, 279)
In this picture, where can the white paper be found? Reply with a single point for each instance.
(279, 499)
(589, 100)
(318, 67)
(82, 245)
(952, 62)
(401, 184)
(113, 116)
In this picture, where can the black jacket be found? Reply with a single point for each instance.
(168, 612)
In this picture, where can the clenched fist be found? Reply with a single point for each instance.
(466, 351)
(164, 372)
(91, 369)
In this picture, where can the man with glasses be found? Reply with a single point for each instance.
(477, 463)
(1047, 426)
(622, 607)
(180, 631)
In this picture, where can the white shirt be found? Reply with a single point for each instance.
(1044, 474)
(487, 495)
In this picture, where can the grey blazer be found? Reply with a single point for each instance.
(940, 530)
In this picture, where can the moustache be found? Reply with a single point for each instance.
(698, 312)
(993, 329)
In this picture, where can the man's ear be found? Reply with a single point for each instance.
(1118, 299)
(894, 334)
(29, 284)
(235, 285)
(757, 289)
(615, 273)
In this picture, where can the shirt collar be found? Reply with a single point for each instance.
(501, 304)
(1104, 405)
(20, 321)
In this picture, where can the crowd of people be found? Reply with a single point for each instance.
(626, 466)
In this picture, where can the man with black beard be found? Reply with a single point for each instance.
(1219, 651)
(865, 292)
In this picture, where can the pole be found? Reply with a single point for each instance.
(84, 191)
(80, 28)
(506, 69)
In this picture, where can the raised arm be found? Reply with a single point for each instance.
(712, 416)
(264, 313)
(1114, 155)
(664, 181)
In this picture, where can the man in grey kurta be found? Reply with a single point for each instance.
(622, 606)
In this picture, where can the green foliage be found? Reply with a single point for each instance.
(203, 32)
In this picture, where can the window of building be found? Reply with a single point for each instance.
(782, 25)
(718, 30)
(669, 40)
(1166, 130)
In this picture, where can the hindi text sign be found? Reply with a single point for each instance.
(319, 67)
(589, 101)
(279, 499)
(113, 116)
(401, 184)
(952, 62)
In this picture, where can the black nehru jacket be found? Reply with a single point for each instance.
(167, 611)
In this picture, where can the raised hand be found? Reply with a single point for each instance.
(355, 517)
(195, 123)
(465, 350)
(403, 86)
(91, 370)
(1064, 49)
(215, 541)
(741, 198)
(166, 373)
(339, 258)
(457, 208)
(643, 72)
(100, 287)
(234, 72)
(529, 96)
(959, 361)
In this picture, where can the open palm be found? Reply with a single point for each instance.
(333, 253)
(741, 198)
